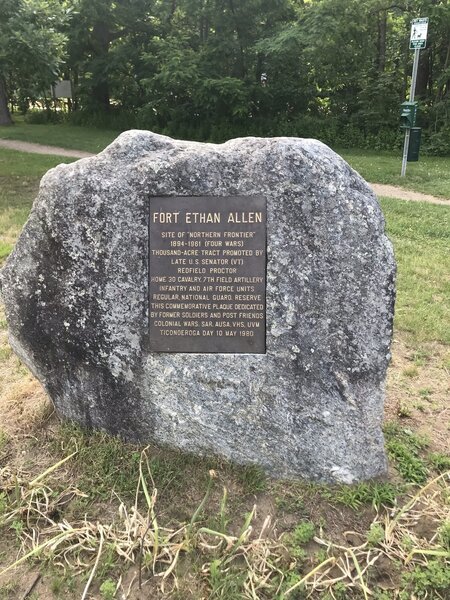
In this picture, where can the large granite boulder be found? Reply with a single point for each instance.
(76, 295)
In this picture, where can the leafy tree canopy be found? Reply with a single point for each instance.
(333, 68)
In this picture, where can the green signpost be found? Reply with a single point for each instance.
(408, 115)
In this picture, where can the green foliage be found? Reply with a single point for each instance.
(440, 462)
(9, 590)
(382, 595)
(43, 117)
(376, 534)
(18, 526)
(3, 505)
(105, 463)
(252, 479)
(108, 589)
(107, 561)
(376, 493)
(431, 580)
(444, 535)
(193, 69)
(292, 578)
(114, 120)
(302, 534)
(225, 584)
(404, 448)
(438, 143)
(340, 591)
(31, 47)
(62, 584)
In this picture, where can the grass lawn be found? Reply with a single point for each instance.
(420, 233)
(88, 139)
(19, 179)
(85, 512)
(431, 175)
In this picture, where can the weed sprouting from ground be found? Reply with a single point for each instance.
(440, 462)
(108, 589)
(376, 534)
(428, 580)
(252, 479)
(444, 535)
(303, 533)
(372, 493)
(404, 448)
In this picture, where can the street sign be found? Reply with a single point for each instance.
(419, 30)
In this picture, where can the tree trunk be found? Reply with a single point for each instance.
(443, 85)
(381, 41)
(5, 115)
(100, 41)
(423, 74)
(241, 69)
(100, 93)
(74, 78)
(406, 71)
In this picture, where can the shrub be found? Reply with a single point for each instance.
(115, 119)
(43, 117)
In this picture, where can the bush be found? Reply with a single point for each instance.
(115, 119)
(335, 132)
(439, 143)
(44, 117)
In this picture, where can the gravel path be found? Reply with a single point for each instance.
(42, 149)
(391, 191)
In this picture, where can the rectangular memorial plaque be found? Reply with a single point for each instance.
(208, 274)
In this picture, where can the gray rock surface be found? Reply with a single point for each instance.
(76, 295)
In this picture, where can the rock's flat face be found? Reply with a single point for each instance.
(76, 294)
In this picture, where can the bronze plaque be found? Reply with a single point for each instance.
(208, 274)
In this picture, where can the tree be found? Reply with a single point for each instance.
(106, 40)
(31, 47)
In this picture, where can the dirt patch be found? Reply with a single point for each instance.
(23, 402)
(392, 191)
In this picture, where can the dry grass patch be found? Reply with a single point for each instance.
(421, 401)
(23, 402)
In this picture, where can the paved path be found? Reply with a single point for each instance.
(391, 191)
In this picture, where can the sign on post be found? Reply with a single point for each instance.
(62, 89)
(417, 41)
(419, 30)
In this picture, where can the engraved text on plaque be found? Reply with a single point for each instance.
(207, 274)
